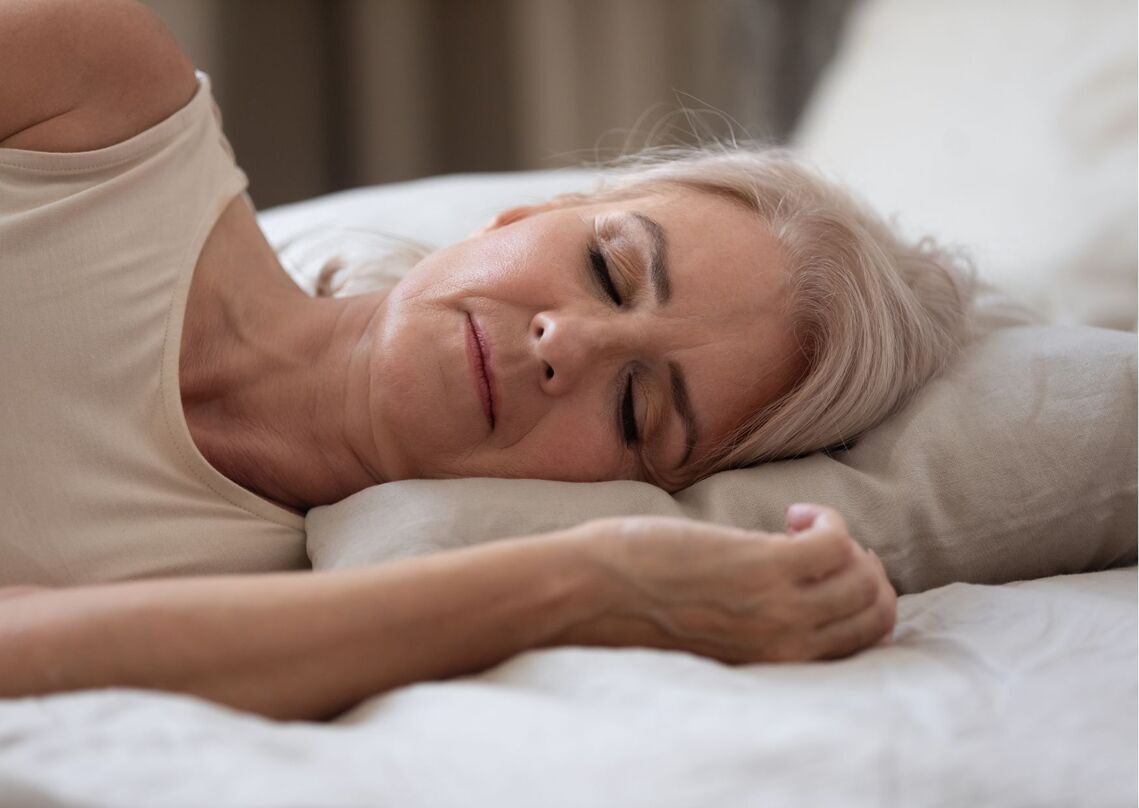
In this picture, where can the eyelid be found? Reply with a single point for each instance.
(602, 271)
(650, 404)
(614, 237)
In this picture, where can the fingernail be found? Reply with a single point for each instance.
(796, 508)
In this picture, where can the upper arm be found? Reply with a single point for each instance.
(84, 74)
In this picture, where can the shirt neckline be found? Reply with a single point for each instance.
(179, 429)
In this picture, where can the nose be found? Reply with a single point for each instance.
(570, 345)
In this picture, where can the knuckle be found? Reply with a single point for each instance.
(876, 628)
(868, 591)
(836, 544)
(886, 623)
(840, 546)
(868, 632)
(888, 613)
(836, 519)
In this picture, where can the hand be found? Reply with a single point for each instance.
(735, 595)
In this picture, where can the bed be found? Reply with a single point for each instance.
(1021, 694)
(1002, 500)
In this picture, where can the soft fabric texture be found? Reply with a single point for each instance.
(1007, 128)
(1019, 463)
(1017, 695)
(99, 478)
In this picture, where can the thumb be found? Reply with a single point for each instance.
(810, 516)
(801, 516)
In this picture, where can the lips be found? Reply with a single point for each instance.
(479, 358)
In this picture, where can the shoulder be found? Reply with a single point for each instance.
(84, 74)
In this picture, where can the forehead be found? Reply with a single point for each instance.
(726, 322)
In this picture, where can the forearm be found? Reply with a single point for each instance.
(298, 645)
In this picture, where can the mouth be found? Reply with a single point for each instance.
(478, 357)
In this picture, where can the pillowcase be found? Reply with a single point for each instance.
(1017, 463)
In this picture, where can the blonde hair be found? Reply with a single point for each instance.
(875, 317)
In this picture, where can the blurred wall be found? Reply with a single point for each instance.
(320, 95)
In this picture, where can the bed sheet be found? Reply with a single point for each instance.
(1021, 694)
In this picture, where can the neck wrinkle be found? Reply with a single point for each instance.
(289, 437)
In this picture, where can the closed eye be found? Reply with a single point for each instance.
(601, 270)
(629, 415)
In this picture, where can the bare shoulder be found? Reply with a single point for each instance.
(84, 74)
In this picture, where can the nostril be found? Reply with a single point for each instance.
(549, 372)
(541, 331)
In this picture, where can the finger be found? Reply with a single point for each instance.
(881, 566)
(814, 554)
(846, 593)
(804, 516)
(891, 594)
(848, 635)
(800, 516)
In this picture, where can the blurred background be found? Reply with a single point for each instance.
(1005, 128)
(320, 95)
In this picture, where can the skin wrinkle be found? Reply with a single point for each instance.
(515, 442)
(360, 348)
(389, 420)
(311, 344)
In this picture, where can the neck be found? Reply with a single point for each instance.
(278, 409)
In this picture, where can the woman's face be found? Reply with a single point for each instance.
(606, 334)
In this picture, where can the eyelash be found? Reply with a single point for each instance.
(628, 409)
(629, 415)
(604, 276)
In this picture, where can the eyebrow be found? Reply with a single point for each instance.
(658, 267)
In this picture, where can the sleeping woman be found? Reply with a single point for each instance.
(173, 403)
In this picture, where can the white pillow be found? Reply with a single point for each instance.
(1006, 127)
(436, 211)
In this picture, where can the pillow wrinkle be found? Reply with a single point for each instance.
(1018, 463)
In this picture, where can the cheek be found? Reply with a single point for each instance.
(492, 265)
(564, 446)
(424, 409)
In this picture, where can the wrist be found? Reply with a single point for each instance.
(576, 582)
(579, 579)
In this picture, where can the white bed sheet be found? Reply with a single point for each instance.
(1021, 694)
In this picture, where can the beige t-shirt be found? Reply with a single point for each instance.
(99, 477)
